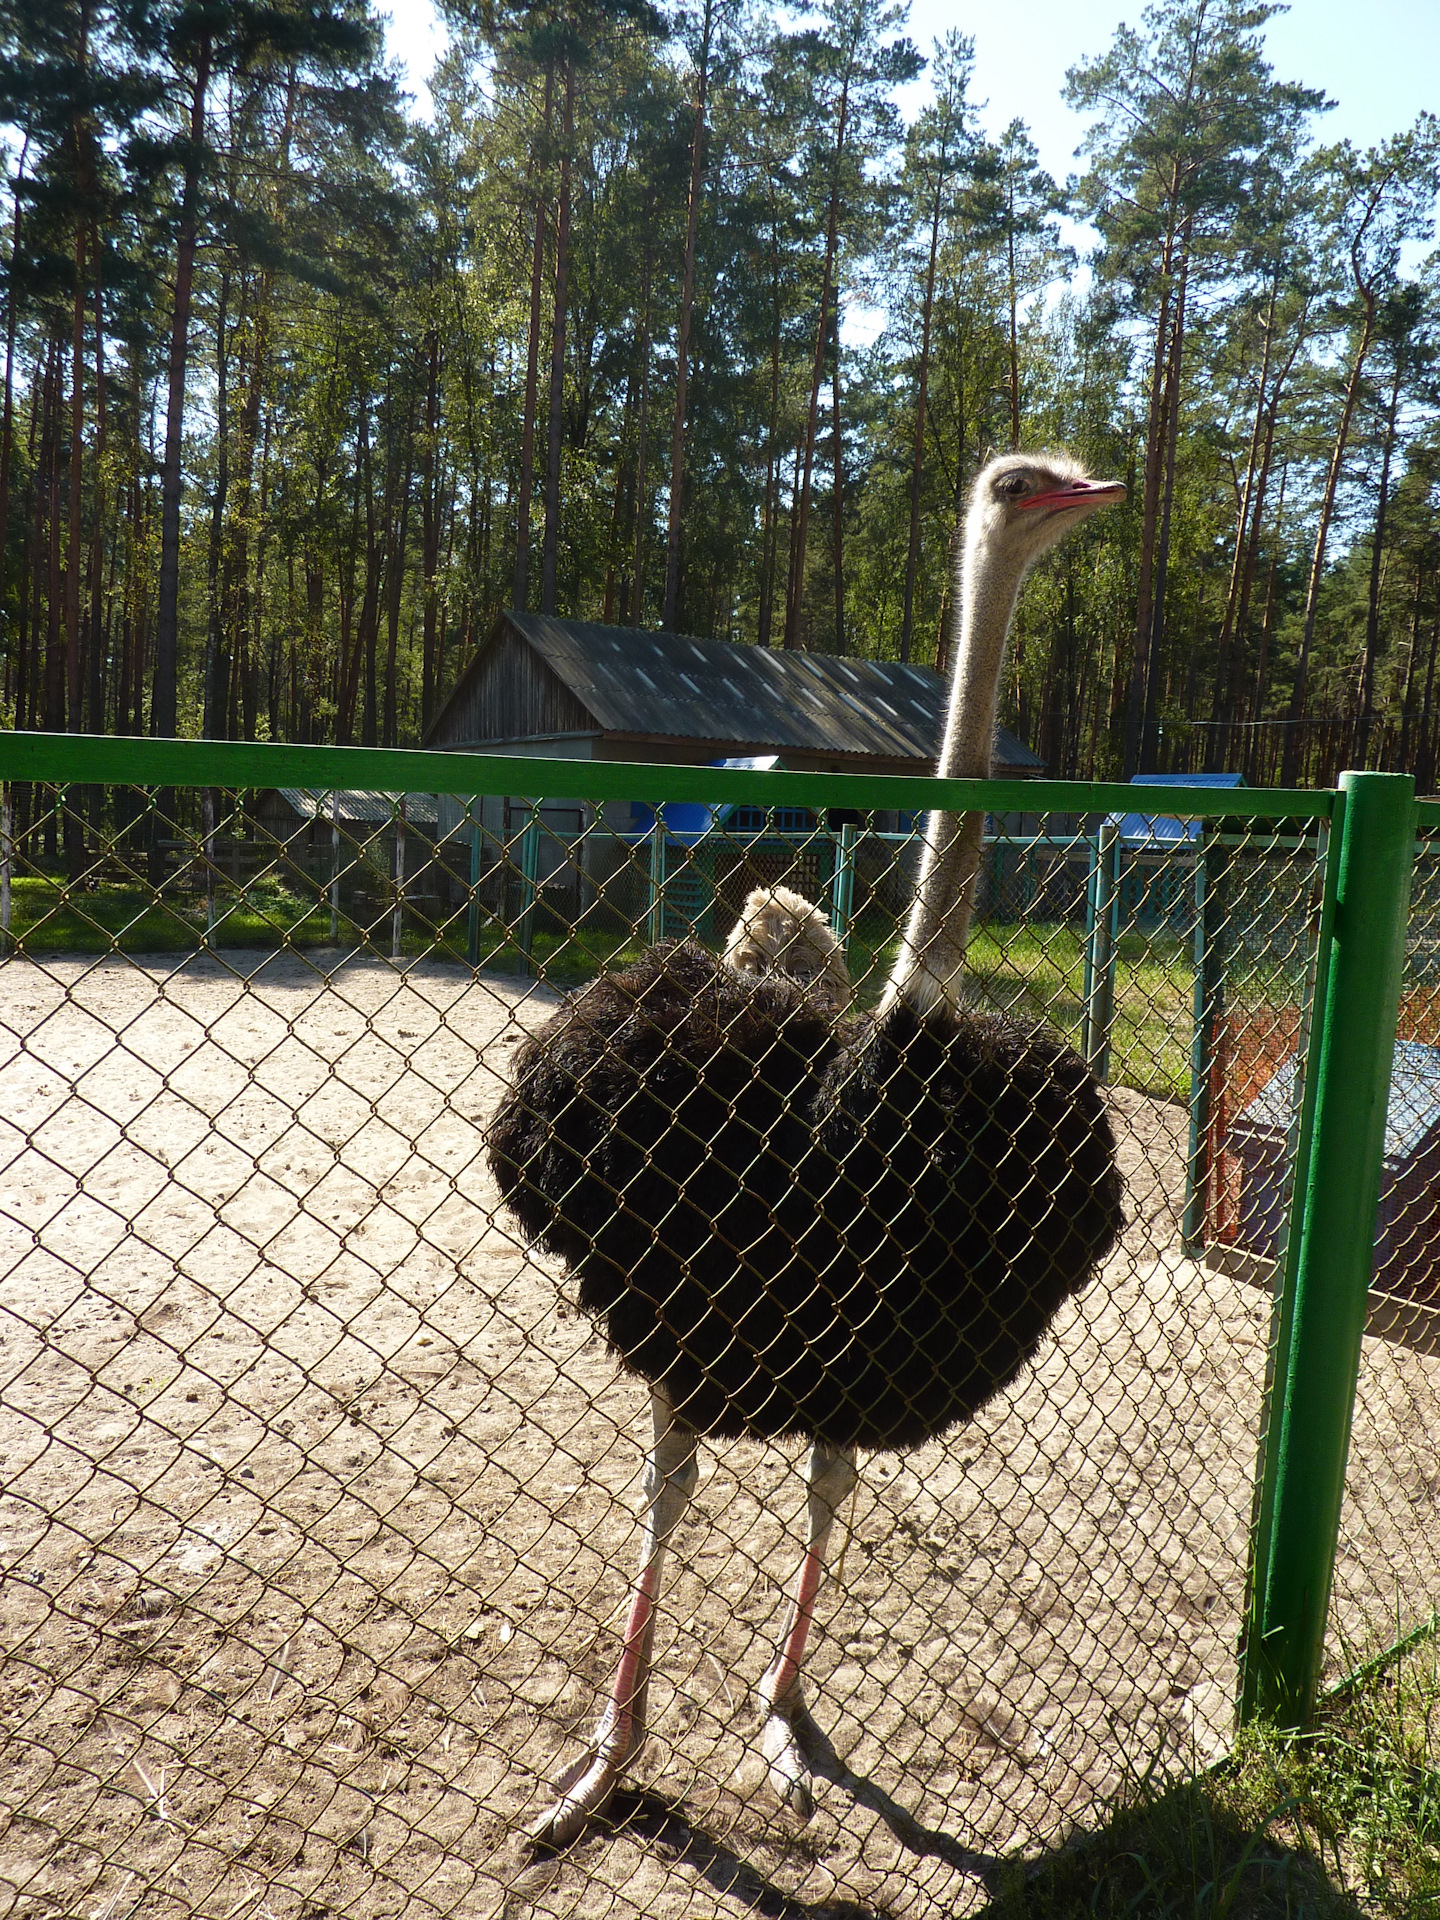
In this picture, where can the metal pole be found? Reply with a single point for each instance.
(655, 905)
(334, 868)
(1100, 957)
(1092, 898)
(397, 912)
(529, 882)
(7, 856)
(1307, 1437)
(472, 920)
(1208, 1011)
(208, 828)
(842, 891)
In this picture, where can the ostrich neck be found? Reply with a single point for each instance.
(932, 952)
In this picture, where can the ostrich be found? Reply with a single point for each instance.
(856, 1230)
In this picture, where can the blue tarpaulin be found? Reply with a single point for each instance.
(1159, 833)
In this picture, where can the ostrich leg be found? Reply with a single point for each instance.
(583, 1789)
(829, 1476)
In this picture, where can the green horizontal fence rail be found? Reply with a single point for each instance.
(1370, 823)
(66, 757)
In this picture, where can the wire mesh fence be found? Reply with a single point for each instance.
(321, 1496)
(1387, 1570)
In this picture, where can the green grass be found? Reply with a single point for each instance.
(49, 916)
(1036, 971)
(1344, 1822)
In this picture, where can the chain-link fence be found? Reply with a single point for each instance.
(321, 1498)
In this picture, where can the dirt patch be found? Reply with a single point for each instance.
(319, 1501)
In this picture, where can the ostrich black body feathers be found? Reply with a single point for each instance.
(858, 1232)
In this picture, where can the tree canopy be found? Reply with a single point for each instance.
(671, 318)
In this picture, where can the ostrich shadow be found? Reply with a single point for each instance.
(663, 1822)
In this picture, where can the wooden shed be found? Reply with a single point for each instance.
(303, 822)
(576, 690)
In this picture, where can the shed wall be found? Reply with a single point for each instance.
(513, 695)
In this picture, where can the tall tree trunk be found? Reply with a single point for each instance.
(1156, 415)
(394, 580)
(675, 522)
(362, 657)
(430, 533)
(96, 644)
(217, 667)
(838, 495)
(74, 558)
(1226, 683)
(1315, 578)
(642, 427)
(163, 702)
(1407, 705)
(54, 649)
(532, 370)
(1167, 502)
(1372, 609)
(7, 418)
(1267, 628)
(616, 581)
(127, 607)
(237, 596)
(917, 460)
(770, 517)
(1014, 302)
(1235, 695)
(556, 422)
(795, 596)
(1429, 719)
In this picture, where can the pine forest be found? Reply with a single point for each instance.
(301, 390)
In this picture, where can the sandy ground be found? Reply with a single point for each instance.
(318, 1506)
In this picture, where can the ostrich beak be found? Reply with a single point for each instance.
(1077, 493)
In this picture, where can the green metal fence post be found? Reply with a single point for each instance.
(529, 883)
(1208, 1011)
(655, 901)
(842, 888)
(397, 910)
(472, 916)
(334, 868)
(7, 847)
(1307, 1437)
(1102, 927)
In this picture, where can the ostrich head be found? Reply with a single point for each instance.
(1021, 505)
(782, 932)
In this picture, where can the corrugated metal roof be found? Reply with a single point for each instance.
(361, 806)
(681, 687)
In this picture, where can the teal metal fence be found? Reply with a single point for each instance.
(319, 1496)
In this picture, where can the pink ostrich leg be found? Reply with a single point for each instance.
(829, 1476)
(584, 1787)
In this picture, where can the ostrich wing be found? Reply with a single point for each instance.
(858, 1233)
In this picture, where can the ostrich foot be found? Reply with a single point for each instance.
(583, 1789)
(786, 1760)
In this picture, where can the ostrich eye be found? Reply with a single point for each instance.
(1012, 486)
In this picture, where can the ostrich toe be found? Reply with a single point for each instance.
(583, 1789)
(789, 1768)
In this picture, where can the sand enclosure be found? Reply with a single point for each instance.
(318, 1504)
